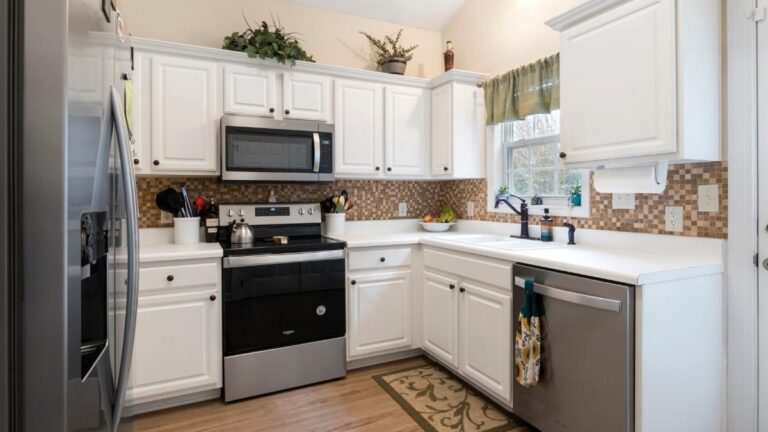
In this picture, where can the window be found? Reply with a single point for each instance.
(528, 152)
(531, 157)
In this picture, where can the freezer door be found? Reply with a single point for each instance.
(587, 349)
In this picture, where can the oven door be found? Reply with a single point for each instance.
(255, 149)
(277, 300)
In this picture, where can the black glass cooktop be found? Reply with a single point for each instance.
(295, 244)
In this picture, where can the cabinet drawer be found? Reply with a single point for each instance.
(383, 258)
(495, 272)
(163, 278)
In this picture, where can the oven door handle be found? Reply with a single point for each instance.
(316, 140)
(270, 259)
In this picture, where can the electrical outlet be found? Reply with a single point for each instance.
(165, 218)
(709, 200)
(470, 208)
(624, 201)
(402, 210)
(673, 218)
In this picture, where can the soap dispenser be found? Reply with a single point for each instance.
(547, 226)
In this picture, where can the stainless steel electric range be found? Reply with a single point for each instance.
(284, 305)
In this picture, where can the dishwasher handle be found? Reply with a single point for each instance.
(573, 297)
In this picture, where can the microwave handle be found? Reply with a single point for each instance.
(316, 139)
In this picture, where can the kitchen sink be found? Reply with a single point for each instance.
(520, 245)
(480, 238)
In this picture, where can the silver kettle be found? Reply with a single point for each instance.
(242, 233)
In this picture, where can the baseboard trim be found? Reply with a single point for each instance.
(384, 358)
(171, 402)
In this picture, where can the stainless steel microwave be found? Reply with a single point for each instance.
(256, 149)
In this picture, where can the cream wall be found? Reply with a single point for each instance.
(494, 36)
(331, 37)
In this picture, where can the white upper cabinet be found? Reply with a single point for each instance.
(306, 96)
(458, 131)
(640, 81)
(249, 91)
(359, 122)
(381, 131)
(185, 115)
(406, 131)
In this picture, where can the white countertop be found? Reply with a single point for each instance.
(156, 244)
(630, 258)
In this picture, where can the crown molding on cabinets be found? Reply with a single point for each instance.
(582, 12)
(218, 54)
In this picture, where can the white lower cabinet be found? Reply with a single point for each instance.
(380, 313)
(467, 324)
(177, 349)
(441, 317)
(486, 337)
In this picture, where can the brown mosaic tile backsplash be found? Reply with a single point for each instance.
(375, 199)
(647, 217)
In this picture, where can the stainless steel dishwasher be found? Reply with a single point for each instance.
(586, 381)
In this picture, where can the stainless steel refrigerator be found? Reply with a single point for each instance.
(73, 319)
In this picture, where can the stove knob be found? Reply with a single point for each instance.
(242, 212)
(310, 211)
(301, 211)
(231, 213)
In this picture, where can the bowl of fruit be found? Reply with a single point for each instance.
(441, 223)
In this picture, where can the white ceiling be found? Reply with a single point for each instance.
(428, 14)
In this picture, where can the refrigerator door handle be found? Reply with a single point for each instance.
(132, 235)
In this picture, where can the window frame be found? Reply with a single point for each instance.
(497, 174)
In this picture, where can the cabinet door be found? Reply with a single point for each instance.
(306, 96)
(379, 313)
(486, 337)
(441, 317)
(178, 346)
(185, 115)
(442, 131)
(406, 131)
(618, 83)
(359, 127)
(249, 91)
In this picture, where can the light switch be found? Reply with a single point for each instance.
(709, 198)
(470, 208)
(402, 210)
(624, 201)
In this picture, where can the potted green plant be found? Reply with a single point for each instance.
(268, 41)
(502, 192)
(391, 57)
(576, 195)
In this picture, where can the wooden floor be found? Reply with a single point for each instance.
(355, 403)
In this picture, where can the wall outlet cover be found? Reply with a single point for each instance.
(165, 218)
(470, 208)
(402, 210)
(673, 218)
(623, 201)
(709, 198)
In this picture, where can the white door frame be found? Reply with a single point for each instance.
(762, 203)
(741, 276)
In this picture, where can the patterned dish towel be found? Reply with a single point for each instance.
(528, 339)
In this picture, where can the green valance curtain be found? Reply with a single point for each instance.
(531, 89)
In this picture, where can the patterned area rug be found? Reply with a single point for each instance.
(440, 402)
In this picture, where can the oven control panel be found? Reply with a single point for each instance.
(270, 214)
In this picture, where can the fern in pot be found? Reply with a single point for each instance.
(391, 57)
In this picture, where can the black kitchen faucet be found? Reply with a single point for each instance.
(523, 212)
